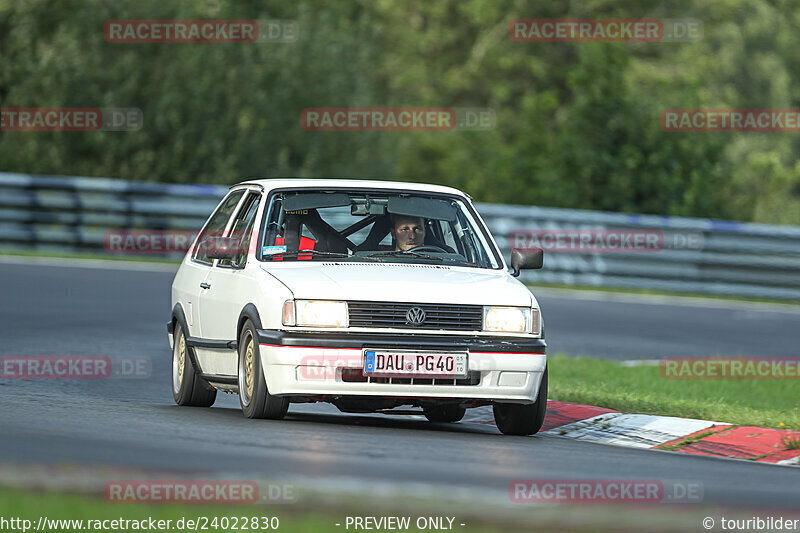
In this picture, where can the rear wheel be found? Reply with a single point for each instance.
(519, 419)
(445, 413)
(188, 388)
(254, 396)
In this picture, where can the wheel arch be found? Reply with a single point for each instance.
(250, 312)
(179, 317)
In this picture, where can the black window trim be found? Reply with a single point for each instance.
(227, 223)
(259, 195)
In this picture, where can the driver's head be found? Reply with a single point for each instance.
(408, 232)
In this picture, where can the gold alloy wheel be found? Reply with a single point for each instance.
(181, 358)
(249, 370)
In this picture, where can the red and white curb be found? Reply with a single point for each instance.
(705, 437)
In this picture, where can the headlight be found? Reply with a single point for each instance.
(316, 313)
(507, 319)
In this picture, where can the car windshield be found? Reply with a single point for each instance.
(384, 226)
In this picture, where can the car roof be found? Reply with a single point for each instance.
(280, 183)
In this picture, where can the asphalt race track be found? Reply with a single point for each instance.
(50, 310)
(620, 326)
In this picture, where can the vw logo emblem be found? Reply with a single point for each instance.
(415, 316)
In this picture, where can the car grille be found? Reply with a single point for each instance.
(355, 375)
(395, 315)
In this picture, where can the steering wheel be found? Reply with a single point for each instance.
(427, 248)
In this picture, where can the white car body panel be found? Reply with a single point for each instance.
(213, 313)
(393, 282)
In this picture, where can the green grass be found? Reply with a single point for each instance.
(641, 389)
(791, 443)
(689, 440)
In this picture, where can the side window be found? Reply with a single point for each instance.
(216, 225)
(467, 239)
(273, 222)
(284, 230)
(242, 230)
(447, 236)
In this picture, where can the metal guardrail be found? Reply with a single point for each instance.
(699, 255)
(69, 214)
(74, 214)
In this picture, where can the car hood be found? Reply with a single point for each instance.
(400, 283)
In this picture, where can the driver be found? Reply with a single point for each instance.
(407, 232)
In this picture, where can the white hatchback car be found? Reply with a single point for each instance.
(369, 295)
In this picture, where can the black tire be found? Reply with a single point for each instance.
(445, 413)
(254, 396)
(188, 388)
(522, 419)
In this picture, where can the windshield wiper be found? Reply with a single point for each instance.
(316, 253)
(467, 263)
(395, 253)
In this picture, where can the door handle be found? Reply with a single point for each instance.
(205, 285)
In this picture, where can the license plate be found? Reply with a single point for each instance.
(390, 363)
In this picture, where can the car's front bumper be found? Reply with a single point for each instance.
(323, 363)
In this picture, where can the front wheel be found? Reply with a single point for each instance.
(254, 396)
(188, 388)
(522, 419)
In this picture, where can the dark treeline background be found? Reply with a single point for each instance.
(577, 123)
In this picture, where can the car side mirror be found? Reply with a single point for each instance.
(534, 258)
(220, 247)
